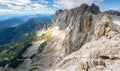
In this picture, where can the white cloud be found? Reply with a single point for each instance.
(38, 6)
(74, 3)
(8, 11)
(43, 1)
(15, 4)
(24, 6)
(56, 5)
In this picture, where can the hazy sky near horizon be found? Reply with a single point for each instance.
(50, 6)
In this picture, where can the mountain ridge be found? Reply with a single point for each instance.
(113, 12)
(81, 29)
(14, 21)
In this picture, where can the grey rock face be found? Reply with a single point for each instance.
(99, 55)
(79, 32)
(93, 9)
(64, 17)
(58, 12)
(80, 25)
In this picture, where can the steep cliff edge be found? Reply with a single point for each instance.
(83, 39)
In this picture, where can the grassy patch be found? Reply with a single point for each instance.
(45, 36)
(34, 69)
(3, 52)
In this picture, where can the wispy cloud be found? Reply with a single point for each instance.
(24, 6)
(74, 3)
(8, 11)
(43, 1)
(20, 4)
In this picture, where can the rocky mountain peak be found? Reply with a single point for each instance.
(58, 12)
(64, 17)
(86, 8)
(82, 9)
(93, 9)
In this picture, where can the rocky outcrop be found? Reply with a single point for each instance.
(97, 51)
(99, 55)
(83, 39)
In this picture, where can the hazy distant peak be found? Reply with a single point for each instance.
(113, 12)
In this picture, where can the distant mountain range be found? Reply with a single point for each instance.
(14, 21)
(113, 12)
(17, 39)
(12, 34)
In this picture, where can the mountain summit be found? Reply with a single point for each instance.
(85, 8)
(66, 15)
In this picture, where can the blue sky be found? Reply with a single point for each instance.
(50, 6)
(110, 4)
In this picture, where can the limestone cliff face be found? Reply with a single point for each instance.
(102, 53)
(83, 39)
(64, 17)
(79, 24)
